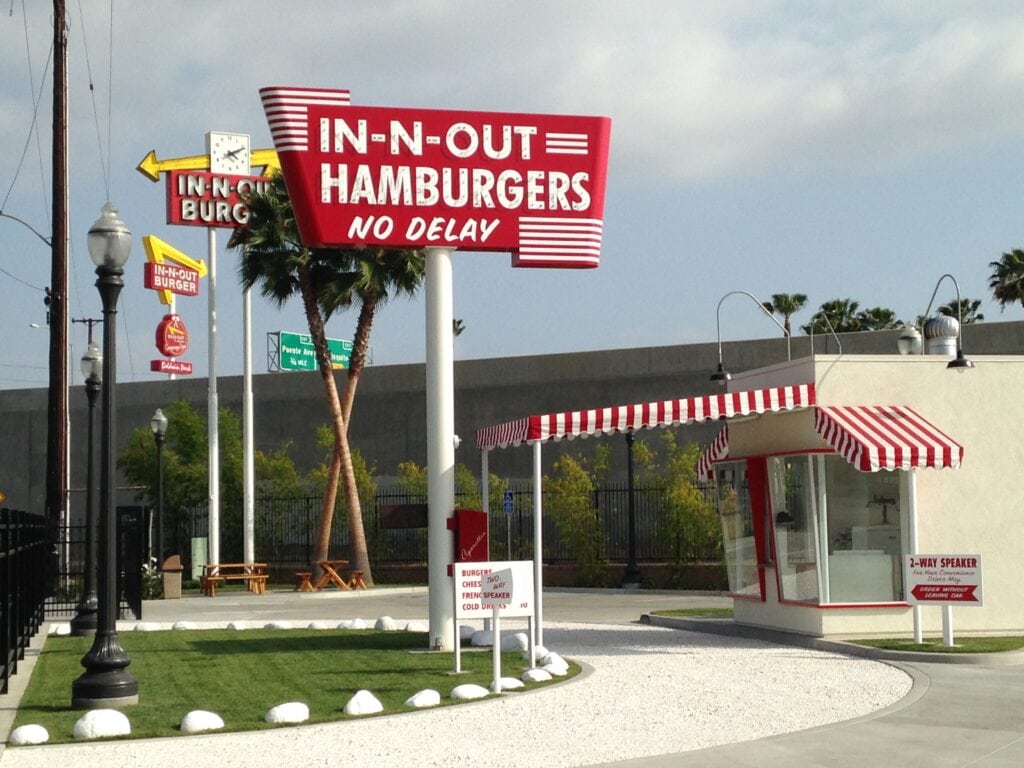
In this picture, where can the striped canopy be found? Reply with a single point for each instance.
(627, 418)
(874, 437)
(871, 437)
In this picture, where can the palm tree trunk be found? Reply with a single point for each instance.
(358, 361)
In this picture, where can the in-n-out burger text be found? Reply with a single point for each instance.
(171, 277)
(205, 199)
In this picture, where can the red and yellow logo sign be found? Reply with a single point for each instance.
(172, 336)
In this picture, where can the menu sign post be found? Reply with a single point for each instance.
(530, 184)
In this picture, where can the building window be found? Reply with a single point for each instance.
(822, 504)
(733, 499)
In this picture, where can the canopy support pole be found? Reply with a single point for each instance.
(538, 546)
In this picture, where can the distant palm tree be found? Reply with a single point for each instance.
(841, 313)
(786, 305)
(458, 327)
(878, 319)
(1007, 278)
(968, 310)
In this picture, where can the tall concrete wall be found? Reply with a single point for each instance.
(389, 420)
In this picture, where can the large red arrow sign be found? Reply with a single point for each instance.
(945, 593)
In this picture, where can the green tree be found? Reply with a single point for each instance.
(186, 466)
(690, 518)
(841, 313)
(786, 305)
(967, 310)
(327, 280)
(878, 319)
(1007, 278)
(569, 503)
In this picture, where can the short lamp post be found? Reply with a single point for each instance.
(84, 622)
(106, 681)
(158, 425)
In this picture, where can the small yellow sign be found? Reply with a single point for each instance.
(157, 251)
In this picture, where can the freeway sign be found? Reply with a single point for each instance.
(295, 352)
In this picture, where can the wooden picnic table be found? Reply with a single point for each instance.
(329, 574)
(253, 574)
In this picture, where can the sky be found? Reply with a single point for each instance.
(840, 150)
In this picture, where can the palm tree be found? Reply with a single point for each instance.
(458, 327)
(967, 311)
(787, 305)
(274, 257)
(841, 313)
(878, 319)
(1007, 278)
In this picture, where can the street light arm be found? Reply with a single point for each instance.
(29, 227)
(760, 306)
(831, 330)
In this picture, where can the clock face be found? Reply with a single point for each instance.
(229, 153)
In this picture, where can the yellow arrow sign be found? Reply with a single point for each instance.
(151, 167)
(157, 251)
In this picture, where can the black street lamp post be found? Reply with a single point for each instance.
(84, 622)
(158, 424)
(106, 681)
(632, 575)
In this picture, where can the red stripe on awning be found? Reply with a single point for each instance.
(572, 424)
(717, 451)
(874, 437)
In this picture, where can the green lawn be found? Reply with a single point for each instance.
(962, 645)
(241, 674)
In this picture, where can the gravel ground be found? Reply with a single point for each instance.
(650, 691)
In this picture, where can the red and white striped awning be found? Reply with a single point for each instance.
(627, 418)
(871, 437)
(874, 437)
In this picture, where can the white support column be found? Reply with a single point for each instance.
(440, 445)
(213, 485)
(913, 544)
(248, 447)
(538, 545)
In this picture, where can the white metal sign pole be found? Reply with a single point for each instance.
(248, 461)
(213, 548)
(440, 445)
(912, 517)
(538, 547)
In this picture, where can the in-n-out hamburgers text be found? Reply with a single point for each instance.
(531, 184)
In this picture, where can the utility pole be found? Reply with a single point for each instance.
(57, 411)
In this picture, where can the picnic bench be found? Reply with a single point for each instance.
(330, 574)
(253, 574)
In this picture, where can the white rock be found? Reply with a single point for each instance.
(550, 658)
(556, 670)
(291, 712)
(468, 691)
(535, 676)
(482, 638)
(510, 683)
(100, 724)
(466, 631)
(237, 625)
(428, 697)
(539, 652)
(353, 624)
(363, 703)
(199, 720)
(184, 625)
(320, 625)
(385, 623)
(24, 735)
(417, 626)
(147, 626)
(278, 625)
(61, 630)
(517, 642)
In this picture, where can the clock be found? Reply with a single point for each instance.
(229, 153)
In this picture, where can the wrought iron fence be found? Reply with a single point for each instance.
(285, 530)
(25, 561)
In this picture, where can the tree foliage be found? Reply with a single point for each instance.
(569, 502)
(786, 305)
(1007, 278)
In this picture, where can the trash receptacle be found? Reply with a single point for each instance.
(172, 577)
